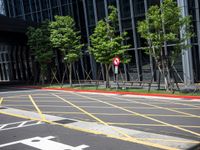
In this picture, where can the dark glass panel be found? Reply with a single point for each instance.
(90, 12)
(28, 17)
(125, 8)
(112, 2)
(44, 4)
(54, 3)
(138, 7)
(55, 11)
(100, 9)
(26, 5)
(18, 8)
(65, 10)
(64, 2)
(45, 14)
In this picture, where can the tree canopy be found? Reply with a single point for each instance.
(65, 37)
(40, 45)
(162, 26)
(107, 43)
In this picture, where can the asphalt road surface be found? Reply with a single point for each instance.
(62, 120)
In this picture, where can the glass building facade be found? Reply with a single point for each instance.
(87, 13)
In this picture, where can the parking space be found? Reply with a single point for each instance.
(31, 135)
(176, 118)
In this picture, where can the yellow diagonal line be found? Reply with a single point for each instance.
(169, 109)
(135, 140)
(1, 100)
(142, 115)
(36, 107)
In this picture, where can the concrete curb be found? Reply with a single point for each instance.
(185, 97)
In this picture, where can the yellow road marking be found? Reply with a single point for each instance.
(17, 105)
(160, 115)
(126, 135)
(169, 102)
(133, 124)
(142, 115)
(1, 100)
(37, 108)
(178, 141)
(163, 108)
(139, 141)
(186, 108)
(53, 112)
(22, 95)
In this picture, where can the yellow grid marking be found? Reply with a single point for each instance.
(53, 112)
(169, 102)
(36, 107)
(133, 124)
(163, 108)
(168, 140)
(126, 135)
(159, 115)
(142, 115)
(107, 114)
(23, 95)
(186, 108)
(138, 141)
(17, 105)
(1, 100)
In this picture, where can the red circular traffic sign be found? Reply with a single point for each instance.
(116, 61)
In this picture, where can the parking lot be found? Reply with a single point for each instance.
(133, 121)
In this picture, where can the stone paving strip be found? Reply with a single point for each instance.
(140, 137)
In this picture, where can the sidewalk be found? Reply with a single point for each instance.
(184, 97)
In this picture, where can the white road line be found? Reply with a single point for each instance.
(3, 126)
(19, 125)
(22, 124)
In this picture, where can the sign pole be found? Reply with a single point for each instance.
(116, 62)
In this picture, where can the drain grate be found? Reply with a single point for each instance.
(65, 121)
(3, 108)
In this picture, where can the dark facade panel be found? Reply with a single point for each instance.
(86, 14)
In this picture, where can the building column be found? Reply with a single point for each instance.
(8, 7)
(31, 10)
(22, 7)
(92, 61)
(137, 55)
(14, 15)
(186, 53)
(120, 31)
(198, 24)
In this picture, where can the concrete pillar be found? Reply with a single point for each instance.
(186, 53)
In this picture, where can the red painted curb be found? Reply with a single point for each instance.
(115, 92)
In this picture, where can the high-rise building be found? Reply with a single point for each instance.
(86, 14)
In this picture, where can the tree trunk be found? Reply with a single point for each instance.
(107, 76)
(70, 74)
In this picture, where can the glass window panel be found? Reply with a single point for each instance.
(125, 8)
(100, 9)
(55, 11)
(28, 17)
(45, 14)
(64, 2)
(18, 8)
(26, 5)
(54, 3)
(90, 12)
(65, 10)
(138, 7)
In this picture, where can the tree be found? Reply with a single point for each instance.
(162, 26)
(107, 44)
(39, 43)
(67, 40)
